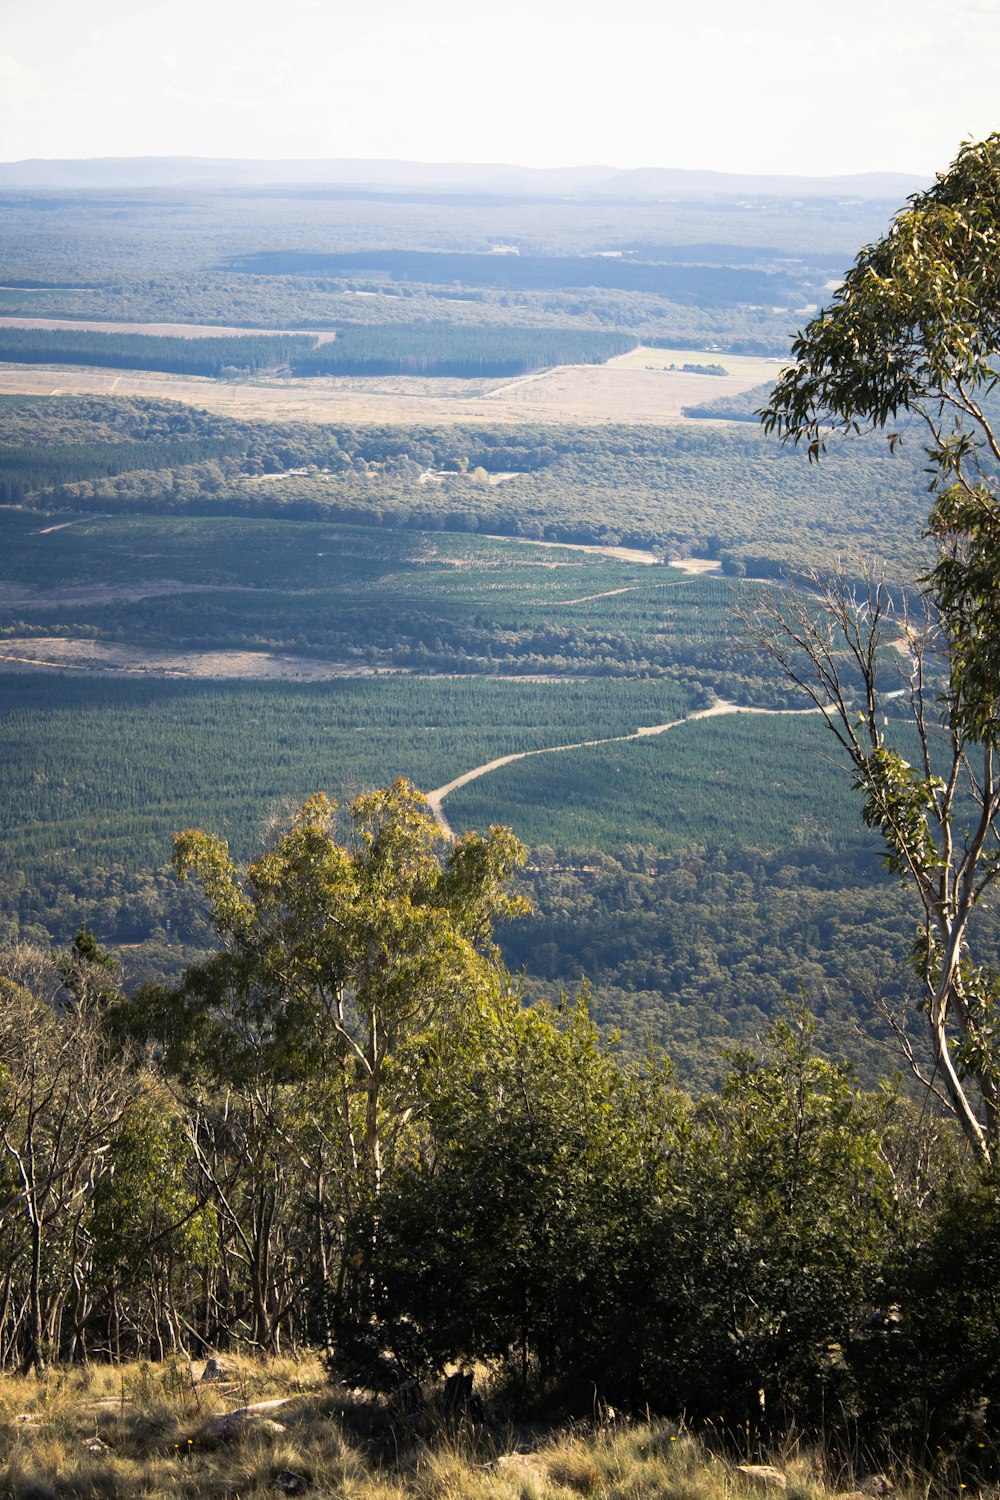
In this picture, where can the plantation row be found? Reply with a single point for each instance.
(740, 780)
(697, 946)
(687, 285)
(251, 353)
(22, 469)
(415, 621)
(125, 763)
(460, 352)
(395, 349)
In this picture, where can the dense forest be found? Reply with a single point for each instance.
(705, 272)
(378, 349)
(698, 286)
(720, 492)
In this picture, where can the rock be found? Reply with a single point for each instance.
(408, 1399)
(456, 1392)
(235, 1423)
(246, 1419)
(216, 1370)
(457, 1398)
(287, 1482)
(763, 1476)
(524, 1465)
(876, 1484)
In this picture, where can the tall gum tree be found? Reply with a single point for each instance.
(909, 348)
(340, 959)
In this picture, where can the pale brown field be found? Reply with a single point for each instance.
(696, 566)
(753, 368)
(101, 659)
(585, 395)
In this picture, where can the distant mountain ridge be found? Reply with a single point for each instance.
(642, 183)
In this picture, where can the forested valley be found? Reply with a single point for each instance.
(673, 1089)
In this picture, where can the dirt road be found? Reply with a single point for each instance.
(436, 798)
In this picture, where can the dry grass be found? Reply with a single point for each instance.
(751, 369)
(143, 1432)
(624, 390)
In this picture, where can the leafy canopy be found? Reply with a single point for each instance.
(913, 334)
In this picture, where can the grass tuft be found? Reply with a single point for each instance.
(139, 1433)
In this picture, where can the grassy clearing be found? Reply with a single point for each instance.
(585, 395)
(147, 1430)
(752, 369)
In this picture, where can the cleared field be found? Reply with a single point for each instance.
(587, 395)
(750, 368)
(405, 400)
(64, 653)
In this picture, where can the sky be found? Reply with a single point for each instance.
(771, 86)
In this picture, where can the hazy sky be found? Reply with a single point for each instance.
(739, 85)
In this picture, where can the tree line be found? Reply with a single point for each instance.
(431, 349)
(343, 1127)
(721, 492)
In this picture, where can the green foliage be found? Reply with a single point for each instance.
(340, 965)
(249, 354)
(915, 325)
(513, 1232)
(722, 491)
(915, 329)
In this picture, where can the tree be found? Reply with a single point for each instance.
(302, 1042)
(517, 1232)
(64, 1089)
(912, 339)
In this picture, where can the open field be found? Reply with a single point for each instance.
(752, 368)
(100, 660)
(587, 395)
(303, 601)
(215, 671)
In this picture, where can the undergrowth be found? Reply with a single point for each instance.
(145, 1432)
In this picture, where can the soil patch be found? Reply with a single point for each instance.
(111, 659)
(696, 566)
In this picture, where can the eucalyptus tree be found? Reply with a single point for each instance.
(909, 348)
(64, 1090)
(301, 1043)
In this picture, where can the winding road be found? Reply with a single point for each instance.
(436, 798)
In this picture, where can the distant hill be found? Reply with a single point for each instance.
(646, 183)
